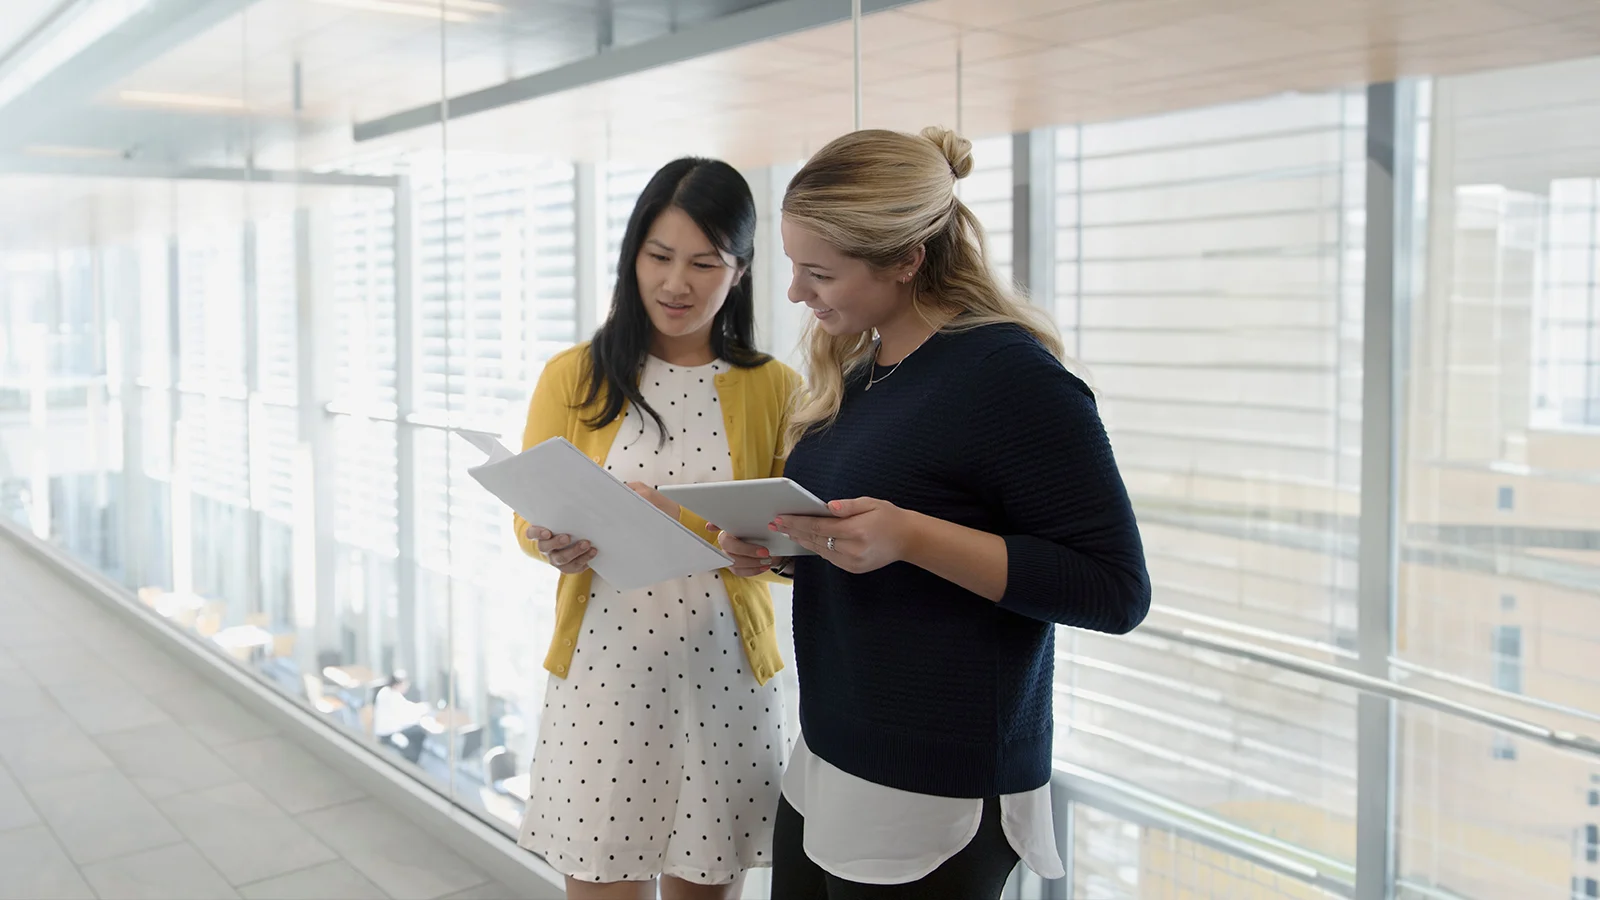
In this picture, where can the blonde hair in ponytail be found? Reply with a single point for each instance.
(877, 196)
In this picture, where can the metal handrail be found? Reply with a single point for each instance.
(1241, 628)
(1431, 891)
(1563, 740)
(1220, 733)
(1479, 687)
(1150, 809)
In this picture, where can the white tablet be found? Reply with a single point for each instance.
(744, 508)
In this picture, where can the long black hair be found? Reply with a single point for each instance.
(717, 198)
(395, 677)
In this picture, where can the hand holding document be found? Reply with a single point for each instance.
(554, 485)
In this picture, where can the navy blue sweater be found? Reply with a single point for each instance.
(906, 679)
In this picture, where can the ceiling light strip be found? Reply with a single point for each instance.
(459, 14)
(185, 101)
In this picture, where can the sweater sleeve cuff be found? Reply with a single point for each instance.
(529, 547)
(694, 523)
(771, 577)
(1033, 578)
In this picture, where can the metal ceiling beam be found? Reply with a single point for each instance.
(760, 23)
(151, 33)
(10, 53)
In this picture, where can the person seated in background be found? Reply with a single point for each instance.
(397, 720)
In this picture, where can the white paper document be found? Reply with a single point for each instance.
(554, 485)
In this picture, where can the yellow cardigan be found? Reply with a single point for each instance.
(755, 404)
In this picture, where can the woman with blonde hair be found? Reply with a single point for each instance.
(976, 506)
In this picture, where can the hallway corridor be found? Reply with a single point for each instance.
(123, 776)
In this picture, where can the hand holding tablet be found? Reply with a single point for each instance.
(744, 508)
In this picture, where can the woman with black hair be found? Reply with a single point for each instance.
(662, 741)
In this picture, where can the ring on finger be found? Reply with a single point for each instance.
(830, 544)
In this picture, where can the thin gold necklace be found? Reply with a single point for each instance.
(873, 379)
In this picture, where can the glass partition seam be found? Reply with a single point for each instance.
(174, 398)
(405, 362)
(855, 32)
(452, 701)
(1033, 220)
(1077, 163)
(588, 244)
(256, 463)
(134, 486)
(1389, 162)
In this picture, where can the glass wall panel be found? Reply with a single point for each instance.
(1118, 859)
(1209, 282)
(1266, 748)
(1486, 814)
(1500, 556)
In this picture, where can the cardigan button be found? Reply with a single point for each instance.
(560, 669)
(567, 642)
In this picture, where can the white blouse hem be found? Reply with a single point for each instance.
(928, 830)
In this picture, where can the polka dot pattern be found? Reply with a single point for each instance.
(660, 754)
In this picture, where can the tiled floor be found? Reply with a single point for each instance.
(124, 775)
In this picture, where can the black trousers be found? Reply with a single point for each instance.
(978, 872)
(414, 736)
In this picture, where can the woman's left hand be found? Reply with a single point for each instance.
(867, 534)
(655, 497)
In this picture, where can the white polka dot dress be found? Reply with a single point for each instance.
(659, 753)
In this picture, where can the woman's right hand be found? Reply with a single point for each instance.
(749, 560)
(567, 555)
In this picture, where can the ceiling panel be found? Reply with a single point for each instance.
(1023, 64)
(977, 14)
(1041, 63)
(885, 31)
